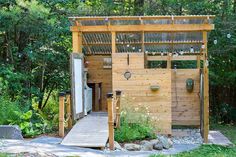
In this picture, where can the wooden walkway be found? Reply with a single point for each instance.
(91, 131)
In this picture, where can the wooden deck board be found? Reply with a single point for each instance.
(90, 131)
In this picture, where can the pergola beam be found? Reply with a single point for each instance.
(145, 28)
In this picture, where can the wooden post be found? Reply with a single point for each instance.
(113, 42)
(118, 96)
(206, 91)
(68, 109)
(96, 104)
(61, 113)
(110, 120)
(199, 61)
(77, 41)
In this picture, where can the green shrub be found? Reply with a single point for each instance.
(30, 123)
(51, 112)
(8, 110)
(135, 125)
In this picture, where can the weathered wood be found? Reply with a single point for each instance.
(146, 28)
(61, 113)
(90, 131)
(110, 120)
(68, 109)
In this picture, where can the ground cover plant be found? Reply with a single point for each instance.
(135, 123)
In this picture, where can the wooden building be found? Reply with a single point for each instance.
(148, 58)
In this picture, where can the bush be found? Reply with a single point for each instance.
(8, 110)
(135, 125)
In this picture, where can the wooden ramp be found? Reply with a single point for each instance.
(90, 131)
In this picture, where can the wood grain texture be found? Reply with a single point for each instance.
(83, 135)
(137, 88)
(96, 73)
(185, 105)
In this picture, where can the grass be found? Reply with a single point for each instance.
(212, 150)
(4, 155)
(205, 151)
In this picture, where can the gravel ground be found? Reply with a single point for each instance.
(189, 136)
(183, 140)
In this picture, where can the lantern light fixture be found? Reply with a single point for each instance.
(162, 54)
(203, 46)
(191, 50)
(228, 35)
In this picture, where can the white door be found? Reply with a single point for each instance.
(77, 70)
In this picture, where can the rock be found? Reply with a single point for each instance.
(158, 146)
(132, 147)
(10, 132)
(116, 145)
(165, 142)
(170, 142)
(155, 141)
(147, 146)
(144, 142)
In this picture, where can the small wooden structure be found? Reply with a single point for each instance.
(140, 56)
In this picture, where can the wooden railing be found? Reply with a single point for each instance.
(113, 104)
(64, 99)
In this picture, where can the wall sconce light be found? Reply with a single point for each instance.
(127, 75)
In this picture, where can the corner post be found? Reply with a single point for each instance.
(110, 120)
(61, 113)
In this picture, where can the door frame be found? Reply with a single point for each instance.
(74, 56)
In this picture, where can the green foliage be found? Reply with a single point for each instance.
(135, 125)
(8, 110)
(206, 150)
(29, 123)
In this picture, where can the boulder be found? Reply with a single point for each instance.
(166, 143)
(155, 141)
(158, 146)
(132, 147)
(10, 132)
(116, 145)
(147, 146)
(144, 142)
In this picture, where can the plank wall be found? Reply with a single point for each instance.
(98, 74)
(137, 88)
(187, 110)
